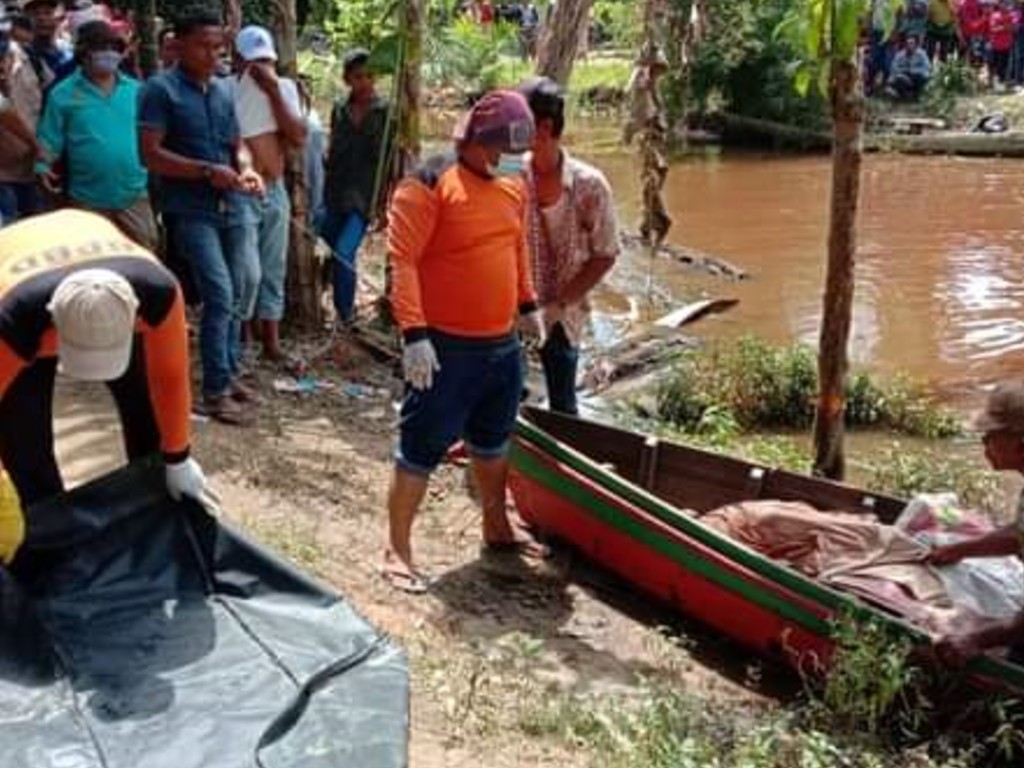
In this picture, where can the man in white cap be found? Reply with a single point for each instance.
(1002, 426)
(270, 122)
(77, 294)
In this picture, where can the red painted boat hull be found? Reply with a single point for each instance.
(661, 575)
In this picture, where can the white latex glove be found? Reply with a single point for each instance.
(531, 329)
(419, 364)
(186, 479)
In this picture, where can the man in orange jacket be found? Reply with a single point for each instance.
(76, 294)
(461, 279)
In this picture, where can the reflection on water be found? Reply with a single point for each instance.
(940, 293)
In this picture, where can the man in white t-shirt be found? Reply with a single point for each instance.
(270, 121)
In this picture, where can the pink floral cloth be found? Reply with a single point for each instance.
(580, 227)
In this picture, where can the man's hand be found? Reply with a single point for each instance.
(553, 313)
(186, 480)
(947, 555)
(957, 650)
(266, 78)
(49, 181)
(251, 183)
(224, 178)
(531, 329)
(419, 364)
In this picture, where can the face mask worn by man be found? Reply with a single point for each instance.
(106, 62)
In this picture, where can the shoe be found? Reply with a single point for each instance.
(243, 394)
(226, 410)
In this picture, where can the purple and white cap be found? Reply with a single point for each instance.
(499, 118)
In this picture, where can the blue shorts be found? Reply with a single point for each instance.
(475, 397)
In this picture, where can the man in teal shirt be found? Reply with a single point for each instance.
(89, 129)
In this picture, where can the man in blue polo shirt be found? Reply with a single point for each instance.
(91, 120)
(190, 138)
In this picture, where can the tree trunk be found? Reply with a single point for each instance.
(410, 85)
(305, 309)
(560, 39)
(145, 23)
(848, 122)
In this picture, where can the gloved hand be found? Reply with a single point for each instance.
(186, 479)
(419, 364)
(531, 329)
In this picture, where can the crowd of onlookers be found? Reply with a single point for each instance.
(191, 162)
(902, 53)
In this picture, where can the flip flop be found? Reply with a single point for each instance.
(410, 583)
(529, 549)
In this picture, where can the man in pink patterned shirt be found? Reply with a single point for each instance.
(574, 239)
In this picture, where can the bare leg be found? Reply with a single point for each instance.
(404, 499)
(270, 335)
(492, 483)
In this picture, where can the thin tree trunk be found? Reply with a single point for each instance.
(145, 23)
(410, 85)
(304, 283)
(848, 121)
(560, 39)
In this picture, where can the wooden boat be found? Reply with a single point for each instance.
(617, 496)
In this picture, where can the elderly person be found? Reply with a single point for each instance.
(461, 281)
(1002, 426)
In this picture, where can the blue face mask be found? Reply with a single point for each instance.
(508, 165)
(106, 62)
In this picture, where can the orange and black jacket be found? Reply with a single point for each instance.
(459, 256)
(37, 254)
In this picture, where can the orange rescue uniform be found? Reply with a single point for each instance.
(36, 254)
(459, 254)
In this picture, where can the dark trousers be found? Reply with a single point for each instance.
(26, 425)
(909, 87)
(560, 360)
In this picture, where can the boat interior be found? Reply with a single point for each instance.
(697, 480)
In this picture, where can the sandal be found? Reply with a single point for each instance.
(403, 581)
(226, 411)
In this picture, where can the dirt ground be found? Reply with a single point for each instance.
(498, 643)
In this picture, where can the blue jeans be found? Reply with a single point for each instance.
(475, 396)
(18, 200)
(275, 213)
(219, 257)
(560, 360)
(344, 233)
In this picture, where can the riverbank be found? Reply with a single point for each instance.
(512, 665)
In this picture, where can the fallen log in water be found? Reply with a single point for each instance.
(631, 358)
(653, 348)
(1009, 144)
(711, 264)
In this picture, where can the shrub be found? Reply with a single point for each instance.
(906, 473)
(766, 387)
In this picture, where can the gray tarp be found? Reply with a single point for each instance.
(139, 633)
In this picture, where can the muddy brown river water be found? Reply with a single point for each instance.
(940, 272)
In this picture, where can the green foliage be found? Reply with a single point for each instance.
(952, 79)
(463, 55)
(743, 67)
(360, 23)
(619, 23)
(822, 32)
(906, 473)
(766, 387)
(870, 685)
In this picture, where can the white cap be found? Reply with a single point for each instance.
(94, 313)
(255, 43)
